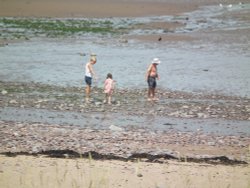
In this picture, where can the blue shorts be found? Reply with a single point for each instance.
(88, 80)
(151, 82)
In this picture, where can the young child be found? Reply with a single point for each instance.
(109, 87)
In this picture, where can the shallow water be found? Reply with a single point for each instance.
(186, 68)
(189, 66)
(105, 120)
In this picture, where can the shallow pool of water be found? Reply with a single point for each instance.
(105, 120)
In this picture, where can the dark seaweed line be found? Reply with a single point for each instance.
(223, 160)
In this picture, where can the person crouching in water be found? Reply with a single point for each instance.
(109, 85)
(151, 76)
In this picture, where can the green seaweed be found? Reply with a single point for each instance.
(55, 27)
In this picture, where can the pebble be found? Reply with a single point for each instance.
(211, 143)
(115, 128)
(13, 102)
(4, 92)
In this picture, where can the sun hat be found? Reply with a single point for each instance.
(156, 61)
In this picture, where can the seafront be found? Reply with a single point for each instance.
(198, 132)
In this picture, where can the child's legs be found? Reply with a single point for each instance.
(106, 97)
(109, 98)
(88, 81)
(87, 91)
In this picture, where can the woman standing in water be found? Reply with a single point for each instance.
(151, 76)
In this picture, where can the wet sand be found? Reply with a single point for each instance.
(98, 8)
(101, 8)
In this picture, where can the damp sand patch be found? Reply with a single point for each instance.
(161, 38)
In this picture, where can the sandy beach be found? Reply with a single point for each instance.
(40, 171)
(50, 138)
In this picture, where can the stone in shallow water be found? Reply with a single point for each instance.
(13, 102)
(115, 128)
(4, 92)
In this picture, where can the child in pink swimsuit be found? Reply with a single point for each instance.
(108, 88)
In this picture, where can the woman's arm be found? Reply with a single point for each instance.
(148, 71)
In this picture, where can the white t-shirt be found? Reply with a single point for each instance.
(87, 71)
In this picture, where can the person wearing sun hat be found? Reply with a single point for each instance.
(151, 76)
(89, 74)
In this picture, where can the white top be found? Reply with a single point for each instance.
(87, 71)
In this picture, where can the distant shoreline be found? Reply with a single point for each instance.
(98, 8)
(102, 8)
